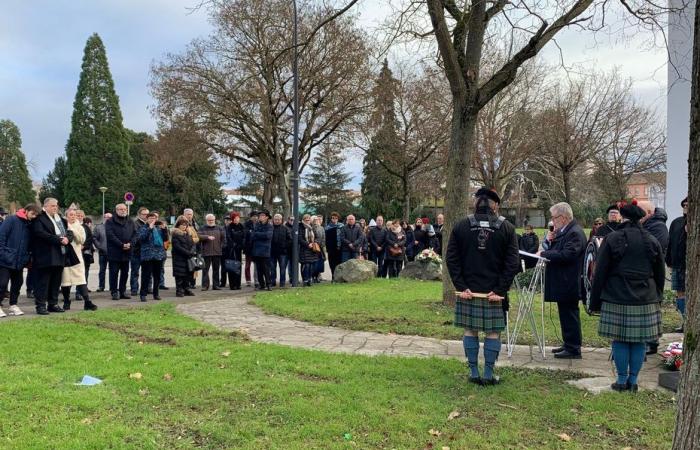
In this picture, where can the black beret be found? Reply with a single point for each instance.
(264, 211)
(489, 193)
(614, 206)
(632, 212)
(685, 200)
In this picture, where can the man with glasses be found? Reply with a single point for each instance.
(565, 255)
(614, 219)
(120, 236)
(675, 258)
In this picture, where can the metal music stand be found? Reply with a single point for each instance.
(526, 298)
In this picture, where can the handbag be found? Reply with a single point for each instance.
(195, 263)
(232, 265)
(315, 247)
(395, 251)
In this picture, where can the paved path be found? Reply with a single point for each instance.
(236, 313)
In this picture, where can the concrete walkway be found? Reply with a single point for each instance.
(235, 313)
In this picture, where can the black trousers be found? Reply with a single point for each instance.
(333, 261)
(15, 279)
(262, 266)
(213, 262)
(394, 267)
(81, 290)
(47, 284)
(150, 270)
(224, 274)
(570, 322)
(118, 275)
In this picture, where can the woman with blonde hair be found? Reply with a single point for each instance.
(308, 256)
(75, 275)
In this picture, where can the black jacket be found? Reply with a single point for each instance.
(656, 225)
(393, 240)
(262, 240)
(482, 271)
(333, 238)
(47, 250)
(678, 237)
(377, 238)
(183, 248)
(306, 236)
(420, 235)
(235, 234)
(629, 268)
(563, 273)
(606, 229)
(248, 239)
(119, 231)
(529, 242)
(281, 240)
(350, 235)
(437, 240)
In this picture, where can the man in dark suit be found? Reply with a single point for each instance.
(50, 241)
(120, 232)
(567, 244)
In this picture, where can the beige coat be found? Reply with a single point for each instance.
(75, 275)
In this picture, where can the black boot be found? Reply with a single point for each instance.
(89, 306)
(65, 291)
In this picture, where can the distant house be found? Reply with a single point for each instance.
(648, 187)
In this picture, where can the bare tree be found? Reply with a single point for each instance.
(236, 86)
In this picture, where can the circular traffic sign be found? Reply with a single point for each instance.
(129, 197)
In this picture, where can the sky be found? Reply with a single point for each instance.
(42, 41)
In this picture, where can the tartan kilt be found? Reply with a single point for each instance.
(630, 323)
(479, 314)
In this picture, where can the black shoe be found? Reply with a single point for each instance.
(126, 297)
(115, 296)
(619, 387)
(55, 309)
(42, 311)
(634, 388)
(491, 381)
(476, 380)
(179, 294)
(66, 306)
(89, 291)
(565, 354)
(205, 288)
(216, 288)
(652, 349)
(189, 293)
(558, 349)
(164, 288)
(157, 297)
(100, 289)
(236, 288)
(133, 293)
(89, 306)
(143, 298)
(150, 292)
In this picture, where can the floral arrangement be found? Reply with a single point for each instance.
(429, 255)
(673, 356)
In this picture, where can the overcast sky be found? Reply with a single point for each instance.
(42, 41)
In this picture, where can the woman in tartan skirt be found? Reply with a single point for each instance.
(628, 288)
(482, 258)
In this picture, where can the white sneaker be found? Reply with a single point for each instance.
(2, 313)
(15, 311)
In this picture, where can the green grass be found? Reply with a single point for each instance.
(272, 397)
(409, 307)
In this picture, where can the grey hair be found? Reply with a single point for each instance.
(48, 200)
(277, 216)
(186, 210)
(208, 216)
(562, 209)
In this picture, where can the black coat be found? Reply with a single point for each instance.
(394, 241)
(420, 235)
(529, 242)
(14, 242)
(183, 248)
(656, 225)
(437, 240)
(235, 235)
(281, 240)
(606, 229)
(88, 246)
(350, 235)
(377, 238)
(482, 271)
(678, 237)
(629, 268)
(306, 255)
(47, 250)
(248, 239)
(563, 274)
(119, 232)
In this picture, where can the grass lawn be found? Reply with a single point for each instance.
(201, 388)
(408, 307)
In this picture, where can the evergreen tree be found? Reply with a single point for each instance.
(15, 184)
(53, 184)
(325, 184)
(97, 152)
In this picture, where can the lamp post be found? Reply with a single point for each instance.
(103, 189)
(295, 159)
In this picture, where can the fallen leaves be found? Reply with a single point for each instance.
(564, 437)
(226, 354)
(453, 415)
(135, 376)
(434, 432)
(168, 377)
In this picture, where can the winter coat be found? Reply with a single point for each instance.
(607, 229)
(410, 242)
(420, 235)
(656, 225)
(563, 273)
(678, 237)
(75, 275)
(215, 247)
(351, 235)
(149, 250)
(234, 241)
(394, 240)
(135, 241)
(99, 238)
(14, 241)
(529, 242)
(320, 235)
(89, 245)
(377, 238)
(248, 241)
(306, 237)
(46, 247)
(281, 240)
(333, 238)
(629, 268)
(483, 271)
(437, 240)
(261, 237)
(119, 231)
(183, 248)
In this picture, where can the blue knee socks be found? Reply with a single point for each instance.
(492, 347)
(680, 305)
(621, 356)
(471, 351)
(637, 353)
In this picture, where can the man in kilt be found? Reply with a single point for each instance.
(482, 258)
(628, 287)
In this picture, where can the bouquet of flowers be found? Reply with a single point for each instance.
(429, 255)
(673, 356)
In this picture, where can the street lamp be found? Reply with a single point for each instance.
(295, 159)
(103, 189)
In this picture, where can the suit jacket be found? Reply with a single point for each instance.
(47, 250)
(563, 274)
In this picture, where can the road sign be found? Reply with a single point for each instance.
(129, 198)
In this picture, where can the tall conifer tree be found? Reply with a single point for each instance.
(325, 184)
(15, 184)
(97, 152)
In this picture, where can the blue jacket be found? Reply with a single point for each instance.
(14, 243)
(261, 238)
(149, 250)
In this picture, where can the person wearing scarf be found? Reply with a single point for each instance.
(75, 274)
(153, 255)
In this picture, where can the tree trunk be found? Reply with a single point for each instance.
(464, 118)
(406, 197)
(285, 192)
(566, 176)
(268, 192)
(687, 435)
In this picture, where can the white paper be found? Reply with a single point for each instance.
(532, 255)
